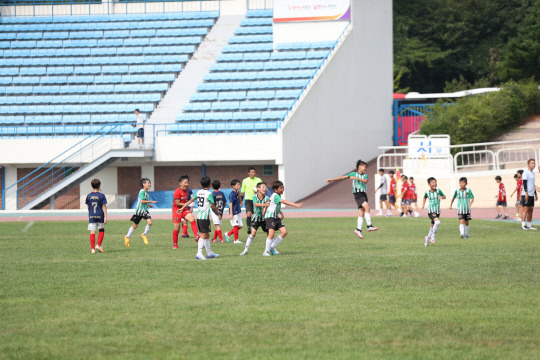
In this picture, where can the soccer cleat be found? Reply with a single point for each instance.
(462, 236)
(100, 249)
(517, 218)
(372, 228)
(199, 257)
(416, 214)
(379, 213)
(273, 251)
(244, 252)
(93, 251)
(185, 236)
(221, 241)
(524, 228)
(498, 216)
(426, 241)
(175, 247)
(126, 241)
(466, 236)
(212, 256)
(226, 238)
(358, 233)
(145, 239)
(196, 238)
(506, 217)
(432, 239)
(237, 242)
(213, 240)
(532, 228)
(266, 253)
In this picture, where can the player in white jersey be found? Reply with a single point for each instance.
(360, 180)
(260, 203)
(528, 196)
(272, 219)
(205, 202)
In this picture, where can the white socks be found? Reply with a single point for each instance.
(248, 241)
(523, 224)
(430, 232)
(200, 246)
(268, 245)
(435, 227)
(147, 229)
(368, 218)
(130, 232)
(276, 242)
(467, 230)
(360, 223)
(389, 212)
(207, 246)
(461, 229)
(529, 224)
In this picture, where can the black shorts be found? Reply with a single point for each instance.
(529, 203)
(203, 225)
(465, 217)
(433, 216)
(249, 206)
(256, 224)
(383, 197)
(392, 199)
(360, 198)
(273, 224)
(137, 218)
(406, 202)
(501, 203)
(140, 133)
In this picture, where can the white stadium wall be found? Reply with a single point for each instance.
(347, 113)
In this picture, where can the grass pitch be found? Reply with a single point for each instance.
(329, 295)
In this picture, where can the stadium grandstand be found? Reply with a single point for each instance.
(221, 85)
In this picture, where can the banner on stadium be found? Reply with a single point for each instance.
(425, 147)
(311, 10)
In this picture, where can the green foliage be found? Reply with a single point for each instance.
(329, 295)
(483, 117)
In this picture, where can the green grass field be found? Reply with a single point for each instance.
(329, 295)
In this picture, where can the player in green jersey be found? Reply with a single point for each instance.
(141, 212)
(465, 198)
(205, 202)
(260, 203)
(360, 180)
(434, 196)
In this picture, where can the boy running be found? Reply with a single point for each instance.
(501, 199)
(434, 196)
(141, 212)
(235, 211)
(465, 198)
(220, 201)
(180, 210)
(517, 191)
(273, 220)
(260, 203)
(205, 201)
(97, 216)
(360, 180)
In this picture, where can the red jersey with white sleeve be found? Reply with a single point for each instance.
(183, 196)
(502, 193)
(392, 190)
(412, 190)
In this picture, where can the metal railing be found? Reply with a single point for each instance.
(259, 4)
(31, 8)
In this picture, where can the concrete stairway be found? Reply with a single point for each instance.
(192, 75)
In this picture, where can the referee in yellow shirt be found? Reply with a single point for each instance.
(247, 192)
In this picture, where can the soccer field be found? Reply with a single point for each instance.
(328, 295)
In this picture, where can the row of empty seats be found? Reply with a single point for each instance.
(265, 55)
(243, 95)
(104, 51)
(238, 105)
(252, 85)
(86, 79)
(131, 25)
(230, 116)
(188, 15)
(157, 41)
(55, 62)
(244, 126)
(62, 130)
(105, 69)
(78, 99)
(98, 34)
(84, 89)
(259, 65)
(68, 119)
(82, 108)
(258, 75)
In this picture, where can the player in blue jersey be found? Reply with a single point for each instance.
(97, 215)
(220, 201)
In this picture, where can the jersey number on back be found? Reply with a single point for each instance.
(200, 201)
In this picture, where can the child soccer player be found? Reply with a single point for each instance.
(434, 196)
(180, 209)
(465, 198)
(392, 194)
(141, 212)
(414, 196)
(260, 203)
(220, 201)
(501, 199)
(190, 209)
(97, 215)
(235, 210)
(360, 180)
(384, 194)
(205, 201)
(273, 220)
(405, 195)
(519, 187)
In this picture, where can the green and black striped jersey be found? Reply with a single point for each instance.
(257, 210)
(434, 204)
(463, 199)
(142, 209)
(358, 186)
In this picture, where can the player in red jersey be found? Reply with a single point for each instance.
(414, 196)
(405, 196)
(501, 199)
(392, 192)
(519, 188)
(181, 211)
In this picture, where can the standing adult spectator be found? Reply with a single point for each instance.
(528, 196)
(140, 128)
(249, 186)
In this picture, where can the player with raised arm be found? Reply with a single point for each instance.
(465, 198)
(434, 196)
(141, 212)
(360, 180)
(97, 215)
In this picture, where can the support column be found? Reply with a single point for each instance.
(147, 171)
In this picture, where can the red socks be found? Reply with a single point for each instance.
(218, 233)
(184, 230)
(92, 241)
(235, 232)
(194, 228)
(100, 237)
(175, 234)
